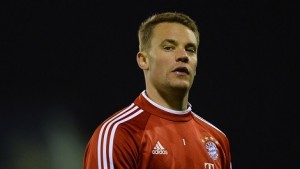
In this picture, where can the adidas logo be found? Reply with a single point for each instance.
(159, 149)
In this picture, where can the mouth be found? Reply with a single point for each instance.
(181, 70)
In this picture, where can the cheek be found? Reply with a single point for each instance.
(158, 67)
(194, 65)
(161, 63)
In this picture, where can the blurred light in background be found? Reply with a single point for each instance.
(53, 143)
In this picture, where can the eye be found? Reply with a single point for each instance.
(168, 48)
(191, 50)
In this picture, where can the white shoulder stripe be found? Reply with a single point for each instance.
(200, 118)
(102, 156)
(113, 135)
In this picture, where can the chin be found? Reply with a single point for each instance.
(181, 87)
(182, 84)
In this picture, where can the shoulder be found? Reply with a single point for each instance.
(208, 125)
(123, 123)
(129, 118)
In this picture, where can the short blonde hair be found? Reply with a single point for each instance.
(146, 27)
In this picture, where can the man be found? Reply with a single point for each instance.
(159, 130)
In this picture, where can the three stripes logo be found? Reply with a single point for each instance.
(159, 149)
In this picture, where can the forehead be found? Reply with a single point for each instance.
(175, 31)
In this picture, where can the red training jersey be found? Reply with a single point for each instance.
(145, 135)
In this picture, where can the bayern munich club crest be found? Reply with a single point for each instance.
(211, 147)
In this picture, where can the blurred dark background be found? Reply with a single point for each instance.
(67, 65)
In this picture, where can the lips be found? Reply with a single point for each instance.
(182, 70)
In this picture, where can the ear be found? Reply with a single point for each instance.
(142, 60)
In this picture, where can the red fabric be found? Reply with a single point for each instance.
(145, 136)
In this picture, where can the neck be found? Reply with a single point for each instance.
(174, 99)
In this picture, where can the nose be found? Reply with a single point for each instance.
(182, 56)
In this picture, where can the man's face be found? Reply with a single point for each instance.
(172, 57)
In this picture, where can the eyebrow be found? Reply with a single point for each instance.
(170, 41)
(175, 43)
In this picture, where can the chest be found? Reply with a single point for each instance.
(180, 145)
